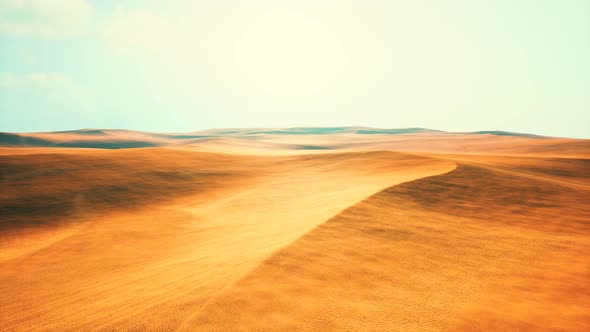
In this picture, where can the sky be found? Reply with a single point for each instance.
(186, 65)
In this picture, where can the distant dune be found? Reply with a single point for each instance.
(508, 133)
(285, 140)
(84, 132)
(74, 139)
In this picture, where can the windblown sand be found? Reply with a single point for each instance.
(173, 240)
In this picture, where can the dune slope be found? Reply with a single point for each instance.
(474, 249)
(44, 189)
(152, 264)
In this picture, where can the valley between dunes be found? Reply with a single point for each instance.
(173, 239)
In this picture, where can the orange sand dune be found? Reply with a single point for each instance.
(473, 249)
(142, 239)
(294, 229)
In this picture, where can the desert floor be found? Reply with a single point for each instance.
(181, 238)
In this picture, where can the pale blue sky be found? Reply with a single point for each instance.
(458, 65)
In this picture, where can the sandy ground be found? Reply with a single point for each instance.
(474, 249)
(158, 264)
(269, 236)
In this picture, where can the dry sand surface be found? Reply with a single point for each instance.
(176, 239)
(128, 251)
(475, 249)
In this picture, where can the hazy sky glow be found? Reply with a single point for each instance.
(458, 65)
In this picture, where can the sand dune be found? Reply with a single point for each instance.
(306, 139)
(159, 262)
(294, 229)
(420, 256)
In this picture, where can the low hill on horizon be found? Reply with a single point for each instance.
(301, 139)
(360, 130)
